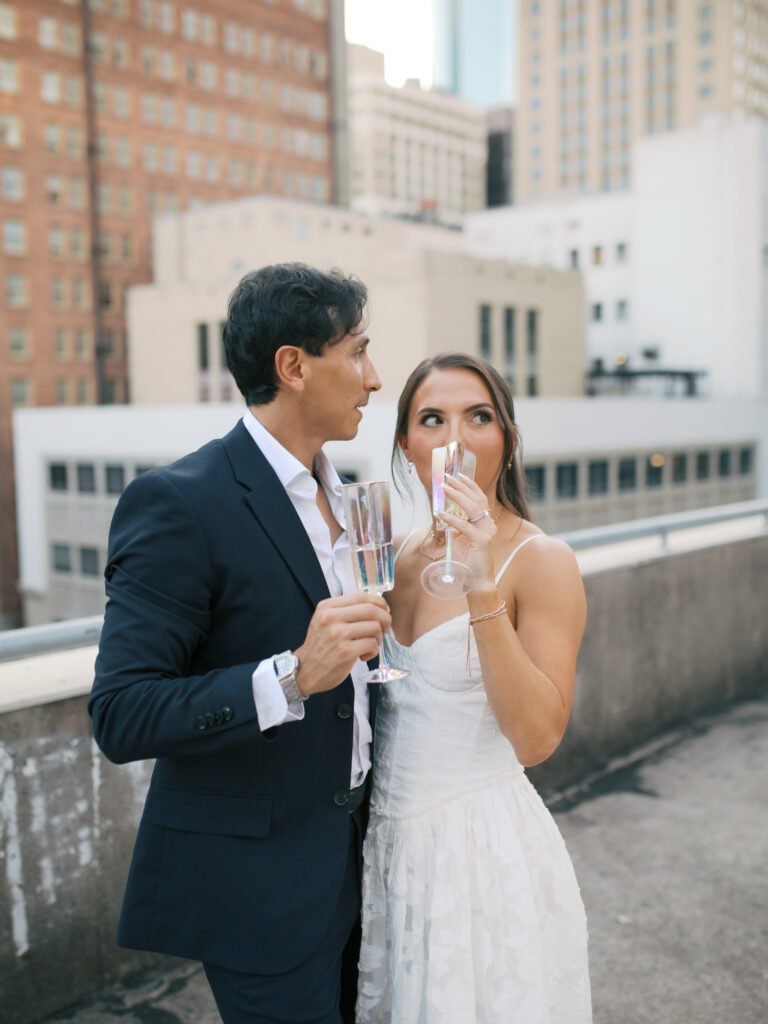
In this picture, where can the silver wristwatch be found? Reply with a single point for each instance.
(286, 666)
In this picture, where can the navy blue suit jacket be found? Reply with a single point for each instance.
(242, 845)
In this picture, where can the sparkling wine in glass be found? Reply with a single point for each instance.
(369, 528)
(447, 578)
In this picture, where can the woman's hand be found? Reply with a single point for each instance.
(474, 543)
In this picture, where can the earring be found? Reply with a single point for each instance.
(410, 467)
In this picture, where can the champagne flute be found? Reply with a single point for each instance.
(369, 527)
(447, 578)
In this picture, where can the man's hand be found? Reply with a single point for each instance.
(342, 630)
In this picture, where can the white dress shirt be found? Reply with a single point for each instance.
(272, 708)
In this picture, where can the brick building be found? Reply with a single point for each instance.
(170, 105)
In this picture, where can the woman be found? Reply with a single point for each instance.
(471, 911)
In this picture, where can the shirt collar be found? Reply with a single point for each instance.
(293, 474)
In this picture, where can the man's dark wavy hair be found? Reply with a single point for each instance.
(286, 304)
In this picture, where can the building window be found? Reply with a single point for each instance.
(86, 478)
(89, 561)
(50, 86)
(202, 347)
(20, 392)
(574, 259)
(14, 237)
(567, 475)
(724, 462)
(10, 131)
(58, 293)
(62, 392)
(702, 466)
(622, 309)
(485, 331)
(598, 477)
(115, 479)
(16, 290)
(627, 474)
(18, 342)
(597, 255)
(532, 324)
(62, 558)
(745, 461)
(9, 76)
(621, 252)
(509, 346)
(8, 28)
(679, 468)
(57, 476)
(536, 477)
(654, 470)
(13, 183)
(597, 311)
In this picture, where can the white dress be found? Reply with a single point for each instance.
(471, 909)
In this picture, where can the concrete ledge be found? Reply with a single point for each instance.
(665, 640)
(46, 678)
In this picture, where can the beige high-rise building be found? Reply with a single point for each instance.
(597, 74)
(414, 152)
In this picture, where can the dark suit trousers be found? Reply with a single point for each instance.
(322, 989)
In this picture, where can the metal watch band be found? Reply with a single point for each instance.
(286, 666)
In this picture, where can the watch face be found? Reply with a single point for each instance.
(286, 664)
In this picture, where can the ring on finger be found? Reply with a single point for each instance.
(483, 514)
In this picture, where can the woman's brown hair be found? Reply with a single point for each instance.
(511, 488)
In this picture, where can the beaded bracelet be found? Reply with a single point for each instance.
(491, 615)
(482, 618)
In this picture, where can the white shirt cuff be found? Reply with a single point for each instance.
(272, 708)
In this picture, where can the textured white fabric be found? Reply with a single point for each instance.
(471, 910)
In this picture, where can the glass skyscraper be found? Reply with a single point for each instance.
(475, 50)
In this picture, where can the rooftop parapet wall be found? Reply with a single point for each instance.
(666, 639)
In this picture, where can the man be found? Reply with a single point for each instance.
(219, 627)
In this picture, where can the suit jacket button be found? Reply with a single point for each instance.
(209, 720)
(341, 798)
(200, 722)
(227, 713)
(219, 716)
(344, 710)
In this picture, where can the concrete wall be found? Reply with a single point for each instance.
(665, 639)
(67, 823)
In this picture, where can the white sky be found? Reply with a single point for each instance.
(400, 29)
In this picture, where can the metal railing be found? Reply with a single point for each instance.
(53, 636)
(59, 636)
(663, 526)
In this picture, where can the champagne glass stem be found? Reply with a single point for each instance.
(383, 660)
(448, 549)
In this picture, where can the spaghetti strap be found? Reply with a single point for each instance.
(402, 546)
(522, 544)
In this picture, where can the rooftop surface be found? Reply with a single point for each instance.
(670, 845)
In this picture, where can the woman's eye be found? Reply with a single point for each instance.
(482, 416)
(430, 420)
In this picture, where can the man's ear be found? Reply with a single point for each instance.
(289, 366)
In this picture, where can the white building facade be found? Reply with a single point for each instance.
(588, 462)
(675, 271)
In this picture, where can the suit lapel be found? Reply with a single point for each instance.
(269, 502)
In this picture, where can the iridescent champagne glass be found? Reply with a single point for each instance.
(369, 528)
(447, 578)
